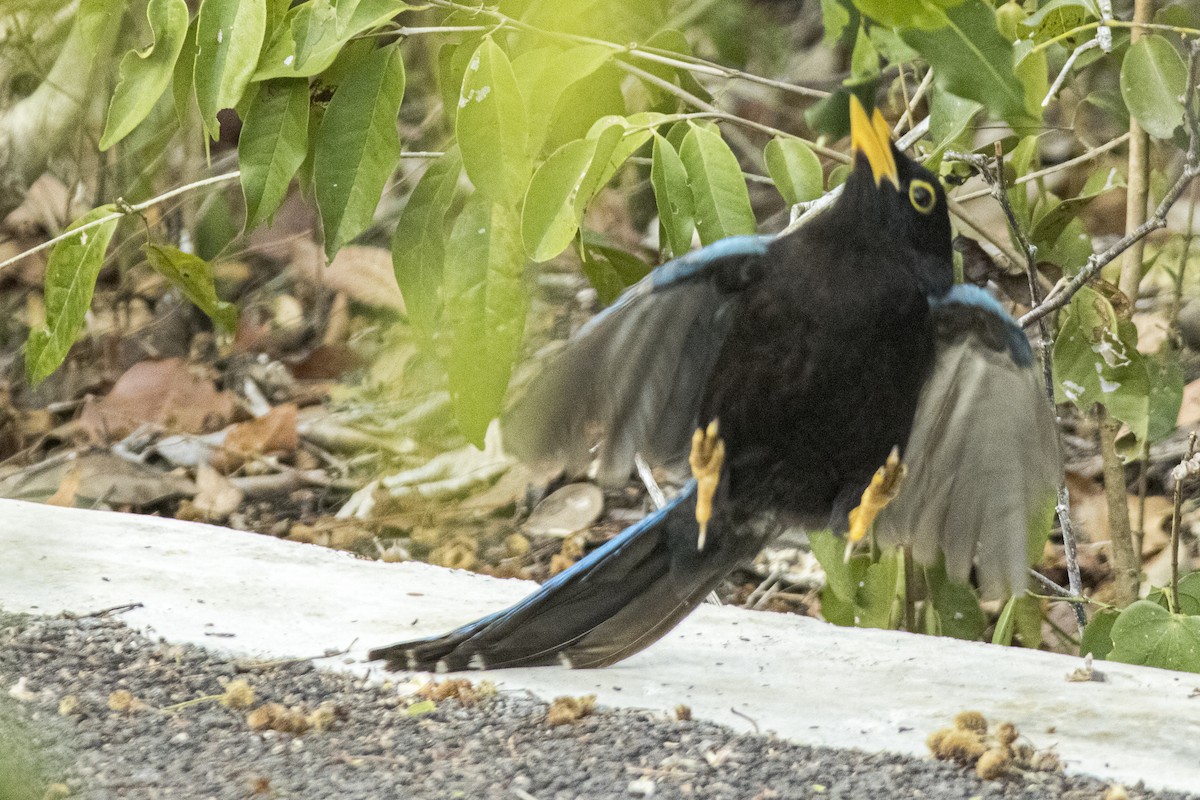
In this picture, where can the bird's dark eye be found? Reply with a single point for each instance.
(922, 196)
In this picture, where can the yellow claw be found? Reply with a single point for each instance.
(884, 486)
(706, 459)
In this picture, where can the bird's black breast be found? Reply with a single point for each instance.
(819, 376)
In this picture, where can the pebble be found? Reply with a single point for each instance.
(497, 748)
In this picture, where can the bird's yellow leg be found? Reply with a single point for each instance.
(884, 486)
(706, 459)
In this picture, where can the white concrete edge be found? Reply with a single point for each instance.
(806, 681)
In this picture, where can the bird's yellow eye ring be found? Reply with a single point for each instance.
(922, 196)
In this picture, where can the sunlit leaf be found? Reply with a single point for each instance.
(357, 146)
(718, 188)
(492, 127)
(485, 306)
(676, 210)
(419, 244)
(795, 169)
(548, 218)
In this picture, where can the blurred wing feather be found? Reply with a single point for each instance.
(632, 379)
(983, 461)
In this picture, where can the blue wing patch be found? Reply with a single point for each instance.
(682, 269)
(698, 261)
(976, 298)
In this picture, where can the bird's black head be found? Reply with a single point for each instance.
(892, 203)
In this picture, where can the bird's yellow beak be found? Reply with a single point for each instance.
(870, 136)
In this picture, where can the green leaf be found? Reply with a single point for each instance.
(676, 211)
(880, 596)
(1057, 17)
(841, 577)
(1050, 220)
(272, 145)
(485, 305)
(971, 59)
(544, 87)
(1006, 625)
(924, 14)
(1146, 633)
(949, 118)
(864, 59)
(548, 219)
(491, 126)
(357, 147)
(145, 75)
(193, 276)
(836, 19)
(718, 188)
(611, 271)
(419, 244)
(1097, 634)
(1189, 594)
(182, 83)
(229, 36)
(795, 169)
(70, 281)
(957, 606)
(310, 39)
(1153, 79)
(1096, 360)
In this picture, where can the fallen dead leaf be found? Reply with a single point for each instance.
(274, 432)
(165, 394)
(216, 498)
(103, 478)
(365, 275)
(64, 496)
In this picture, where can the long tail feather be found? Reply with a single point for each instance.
(618, 600)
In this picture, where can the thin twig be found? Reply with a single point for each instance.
(1179, 473)
(126, 210)
(717, 113)
(906, 119)
(1063, 294)
(1059, 167)
(1070, 62)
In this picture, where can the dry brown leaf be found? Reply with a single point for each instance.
(216, 497)
(274, 432)
(104, 478)
(1189, 409)
(165, 394)
(64, 496)
(365, 275)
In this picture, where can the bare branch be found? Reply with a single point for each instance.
(1062, 295)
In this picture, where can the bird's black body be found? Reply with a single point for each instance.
(817, 352)
(819, 375)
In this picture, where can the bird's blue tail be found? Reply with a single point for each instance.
(618, 600)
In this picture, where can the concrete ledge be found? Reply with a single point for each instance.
(807, 681)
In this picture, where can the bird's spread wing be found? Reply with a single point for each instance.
(983, 462)
(631, 380)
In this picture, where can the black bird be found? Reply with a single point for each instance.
(791, 372)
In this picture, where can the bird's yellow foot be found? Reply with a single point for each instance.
(884, 486)
(706, 459)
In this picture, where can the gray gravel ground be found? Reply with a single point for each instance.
(500, 747)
